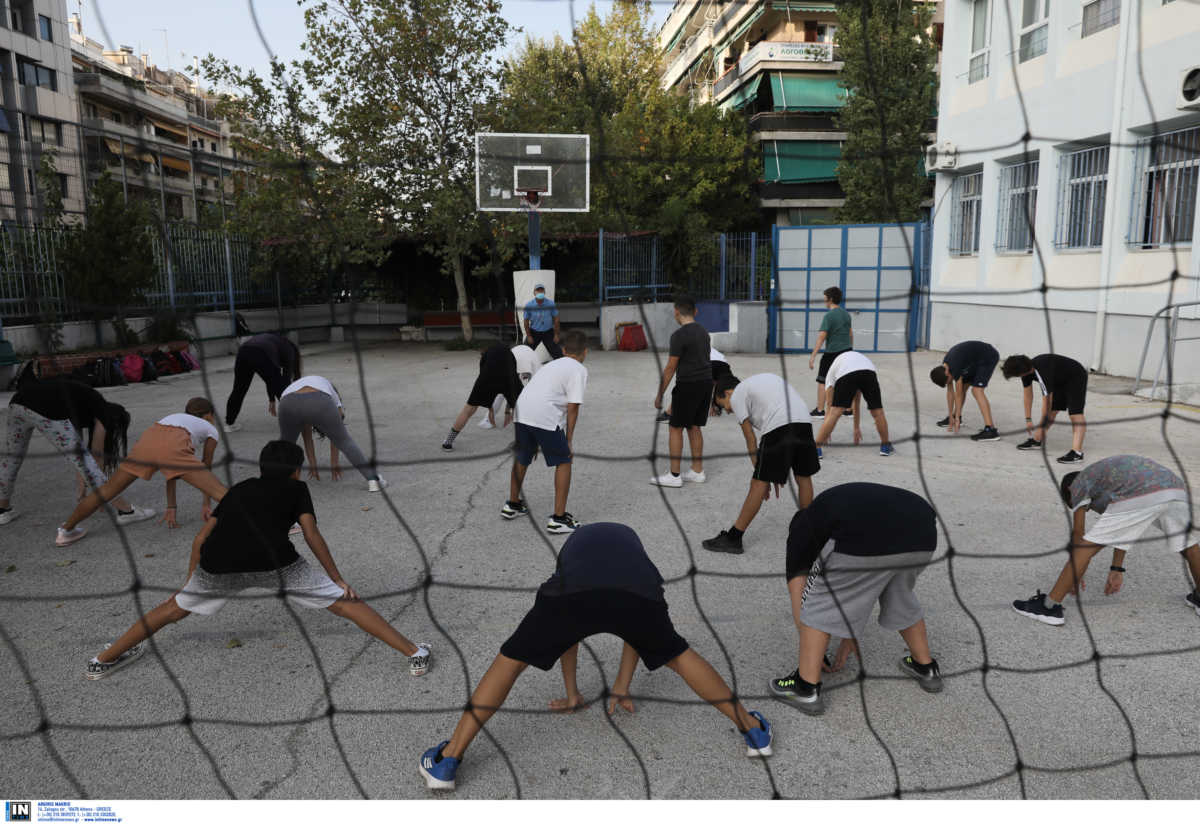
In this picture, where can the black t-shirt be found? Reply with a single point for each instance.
(279, 349)
(1057, 373)
(498, 368)
(604, 556)
(862, 519)
(62, 400)
(690, 343)
(963, 358)
(253, 520)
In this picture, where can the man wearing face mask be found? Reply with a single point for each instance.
(541, 322)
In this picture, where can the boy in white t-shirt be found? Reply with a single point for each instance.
(180, 446)
(769, 405)
(852, 378)
(545, 416)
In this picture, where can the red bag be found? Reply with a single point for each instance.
(632, 338)
(131, 368)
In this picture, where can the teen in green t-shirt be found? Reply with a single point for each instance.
(836, 336)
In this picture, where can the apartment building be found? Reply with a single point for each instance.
(1068, 159)
(38, 108)
(778, 62)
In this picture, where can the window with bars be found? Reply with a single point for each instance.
(1168, 168)
(1018, 207)
(965, 210)
(1100, 15)
(978, 68)
(1083, 187)
(1034, 28)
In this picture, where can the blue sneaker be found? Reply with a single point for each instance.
(758, 739)
(437, 769)
(886, 449)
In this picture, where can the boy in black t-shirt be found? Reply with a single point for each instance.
(1063, 382)
(497, 376)
(857, 544)
(245, 545)
(969, 363)
(604, 583)
(688, 363)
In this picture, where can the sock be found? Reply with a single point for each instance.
(924, 669)
(1051, 603)
(735, 533)
(453, 434)
(800, 681)
(674, 474)
(124, 512)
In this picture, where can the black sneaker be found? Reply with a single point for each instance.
(1193, 601)
(563, 524)
(806, 698)
(512, 509)
(817, 413)
(724, 542)
(930, 680)
(1030, 443)
(1071, 457)
(944, 422)
(448, 446)
(848, 412)
(988, 433)
(1036, 609)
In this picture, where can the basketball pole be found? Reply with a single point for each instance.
(535, 239)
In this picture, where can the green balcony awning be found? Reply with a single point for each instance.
(740, 30)
(797, 5)
(800, 161)
(746, 93)
(806, 93)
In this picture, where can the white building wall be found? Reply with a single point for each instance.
(1047, 106)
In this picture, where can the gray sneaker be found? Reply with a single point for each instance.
(806, 698)
(97, 669)
(930, 681)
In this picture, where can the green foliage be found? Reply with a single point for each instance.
(108, 260)
(167, 326)
(889, 73)
(49, 323)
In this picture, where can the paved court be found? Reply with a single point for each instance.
(259, 708)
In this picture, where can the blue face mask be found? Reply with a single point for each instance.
(539, 296)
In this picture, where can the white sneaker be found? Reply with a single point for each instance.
(138, 514)
(694, 477)
(377, 485)
(233, 427)
(486, 424)
(68, 537)
(418, 662)
(8, 516)
(667, 479)
(295, 530)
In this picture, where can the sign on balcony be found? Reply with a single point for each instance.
(774, 52)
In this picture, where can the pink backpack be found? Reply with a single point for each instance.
(190, 358)
(131, 367)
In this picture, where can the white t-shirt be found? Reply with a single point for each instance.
(714, 355)
(527, 360)
(543, 403)
(846, 363)
(198, 429)
(314, 382)
(769, 402)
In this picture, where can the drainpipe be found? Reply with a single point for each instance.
(1114, 187)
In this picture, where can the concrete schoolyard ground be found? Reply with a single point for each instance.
(256, 702)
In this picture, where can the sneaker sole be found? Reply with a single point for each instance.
(763, 753)
(695, 480)
(1029, 448)
(986, 440)
(1190, 604)
(7, 518)
(807, 707)
(1072, 461)
(508, 516)
(69, 541)
(121, 664)
(432, 783)
(924, 683)
(726, 550)
(656, 482)
(1045, 619)
(560, 530)
(135, 520)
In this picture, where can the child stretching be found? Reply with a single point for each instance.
(245, 545)
(605, 583)
(170, 447)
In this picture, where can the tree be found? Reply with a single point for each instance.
(892, 92)
(404, 83)
(108, 260)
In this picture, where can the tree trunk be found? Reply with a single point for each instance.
(460, 288)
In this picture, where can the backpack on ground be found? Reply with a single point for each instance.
(131, 367)
(149, 373)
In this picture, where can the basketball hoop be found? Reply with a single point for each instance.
(531, 200)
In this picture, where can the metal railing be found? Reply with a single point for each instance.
(1172, 338)
(735, 266)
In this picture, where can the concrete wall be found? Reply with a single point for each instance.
(747, 325)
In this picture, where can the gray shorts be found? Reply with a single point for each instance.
(305, 585)
(843, 589)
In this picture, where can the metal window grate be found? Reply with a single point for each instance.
(1083, 185)
(979, 68)
(965, 210)
(1033, 43)
(1018, 207)
(1168, 169)
(1100, 15)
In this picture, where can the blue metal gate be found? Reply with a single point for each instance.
(883, 272)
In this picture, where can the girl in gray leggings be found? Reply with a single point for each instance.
(311, 403)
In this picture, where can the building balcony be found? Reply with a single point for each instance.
(771, 54)
(127, 93)
(793, 122)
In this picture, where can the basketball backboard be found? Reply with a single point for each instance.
(556, 166)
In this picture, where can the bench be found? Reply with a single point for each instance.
(52, 365)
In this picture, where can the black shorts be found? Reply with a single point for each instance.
(984, 368)
(555, 624)
(553, 445)
(485, 390)
(827, 360)
(1072, 396)
(849, 385)
(788, 450)
(690, 403)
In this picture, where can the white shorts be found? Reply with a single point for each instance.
(304, 585)
(1125, 530)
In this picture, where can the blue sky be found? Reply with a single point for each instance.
(172, 31)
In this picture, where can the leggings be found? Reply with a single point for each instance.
(63, 434)
(318, 410)
(251, 361)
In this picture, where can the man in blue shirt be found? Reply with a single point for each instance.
(541, 322)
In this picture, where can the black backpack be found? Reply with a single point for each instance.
(149, 373)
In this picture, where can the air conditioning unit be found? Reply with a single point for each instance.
(941, 156)
(1189, 89)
